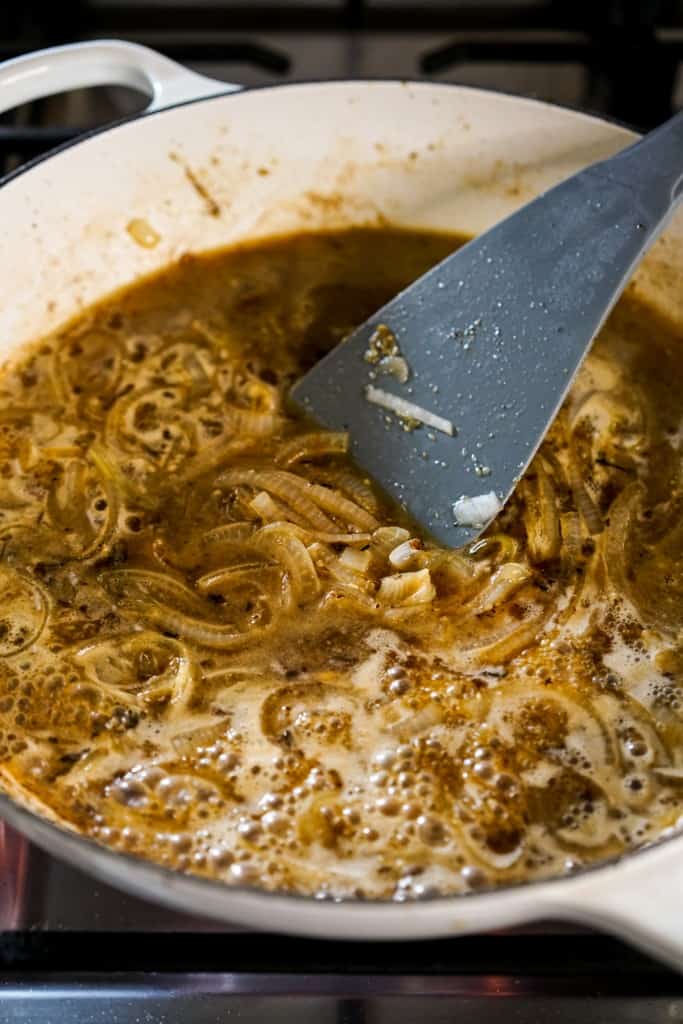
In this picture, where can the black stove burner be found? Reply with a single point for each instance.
(632, 69)
(630, 50)
(160, 979)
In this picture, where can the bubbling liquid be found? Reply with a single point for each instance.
(221, 650)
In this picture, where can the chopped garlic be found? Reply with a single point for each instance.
(478, 510)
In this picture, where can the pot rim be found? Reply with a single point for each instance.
(142, 115)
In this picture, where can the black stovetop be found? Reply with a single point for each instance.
(619, 58)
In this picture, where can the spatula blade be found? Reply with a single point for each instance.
(493, 337)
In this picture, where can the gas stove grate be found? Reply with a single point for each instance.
(271, 42)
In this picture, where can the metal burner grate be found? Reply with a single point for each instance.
(621, 58)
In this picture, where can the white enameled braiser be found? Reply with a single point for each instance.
(207, 165)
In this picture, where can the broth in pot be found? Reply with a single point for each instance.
(221, 649)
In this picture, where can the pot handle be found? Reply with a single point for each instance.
(105, 62)
(640, 900)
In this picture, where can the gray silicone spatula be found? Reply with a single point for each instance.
(492, 338)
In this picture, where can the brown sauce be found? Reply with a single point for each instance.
(221, 651)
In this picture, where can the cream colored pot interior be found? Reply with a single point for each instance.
(276, 160)
(267, 162)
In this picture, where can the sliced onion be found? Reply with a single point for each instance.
(339, 570)
(167, 603)
(510, 636)
(11, 498)
(110, 664)
(570, 530)
(506, 548)
(281, 709)
(201, 381)
(494, 861)
(585, 506)
(172, 437)
(505, 582)
(287, 486)
(24, 608)
(192, 742)
(622, 515)
(67, 510)
(66, 501)
(257, 574)
(386, 538)
(541, 517)
(309, 536)
(656, 596)
(172, 606)
(347, 481)
(395, 366)
(597, 831)
(215, 454)
(27, 541)
(349, 597)
(270, 510)
(96, 373)
(101, 542)
(228, 541)
(407, 588)
(350, 539)
(145, 585)
(254, 424)
(258, 393)
(451, 571)
(517, 640)
(119, 480)
(285, 547)
(206, 634)
(343, 508)
(312, 446)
